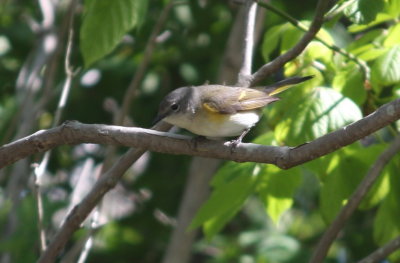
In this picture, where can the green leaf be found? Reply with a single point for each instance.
(369, 45)
(392, 7)
(271, 40)
(314, 115)
(277, 188)
(339, 184)
(366, 39)
(105, 23)
(232, 187)
(393, 36)
(386, 69)
(380, 18)
(291, 36)
(364, 11)
(349, 82)
(387, 223)
(372, 54)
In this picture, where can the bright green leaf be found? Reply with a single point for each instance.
(386, 224)
(380, 18)
(366, 39)
(339, 183)
(271, 40)
(392, 7)
(393, 36)
(349, 82)
(277, 188)
(372, 54)
(291, 37)
(226, 199)
(314, 115)
(104, 25)
(386, 69)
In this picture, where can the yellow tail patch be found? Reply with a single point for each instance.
(279, 90)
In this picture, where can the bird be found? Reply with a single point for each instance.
(219, 111)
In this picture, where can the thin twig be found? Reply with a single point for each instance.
(40, 215)
(330, 234)
(89, 242)
(130, 93)
(381, 253)
(41, 169)
(278, 62)
(148, 52)
(362, 64)
(248, 43)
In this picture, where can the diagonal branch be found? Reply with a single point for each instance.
(330, 234)
(278, 62)
(78, 214)
(361, 64)
(381, 253)
(148, 52)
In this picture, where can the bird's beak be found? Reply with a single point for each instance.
(159, 117)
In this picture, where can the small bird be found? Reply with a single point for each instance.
(216, 111)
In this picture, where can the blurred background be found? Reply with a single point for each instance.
(257, 213)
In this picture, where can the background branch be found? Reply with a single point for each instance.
(362, 64)
(78, 214)
(382, 252)
(278, 62)
(248, 43)
(333, 230)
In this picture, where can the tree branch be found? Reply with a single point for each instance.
(248, 43)
(278, 62)
(330, 234)
(382, 252)
(79, 213)
(362, 64)
(148, 52)
(283, 157)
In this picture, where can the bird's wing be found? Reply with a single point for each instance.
(223, 101)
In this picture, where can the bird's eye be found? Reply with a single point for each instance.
(174, 107)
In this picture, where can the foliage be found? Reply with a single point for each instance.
(256, 212)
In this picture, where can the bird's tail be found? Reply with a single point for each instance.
(283, 85)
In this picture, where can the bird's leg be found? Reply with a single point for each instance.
(236, 142)
(197, 139)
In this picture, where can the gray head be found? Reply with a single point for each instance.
(178, 101)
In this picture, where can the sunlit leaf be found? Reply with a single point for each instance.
(314, 115)
(349, 82)
(276, 189)
(271, 40)
(386, 69)
(393, 36)
(386, 224)
(339, 183)
(392, 7)
(227, 198)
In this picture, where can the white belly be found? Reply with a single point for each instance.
(227, 126)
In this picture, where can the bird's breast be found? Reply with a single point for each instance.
(215, 124)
